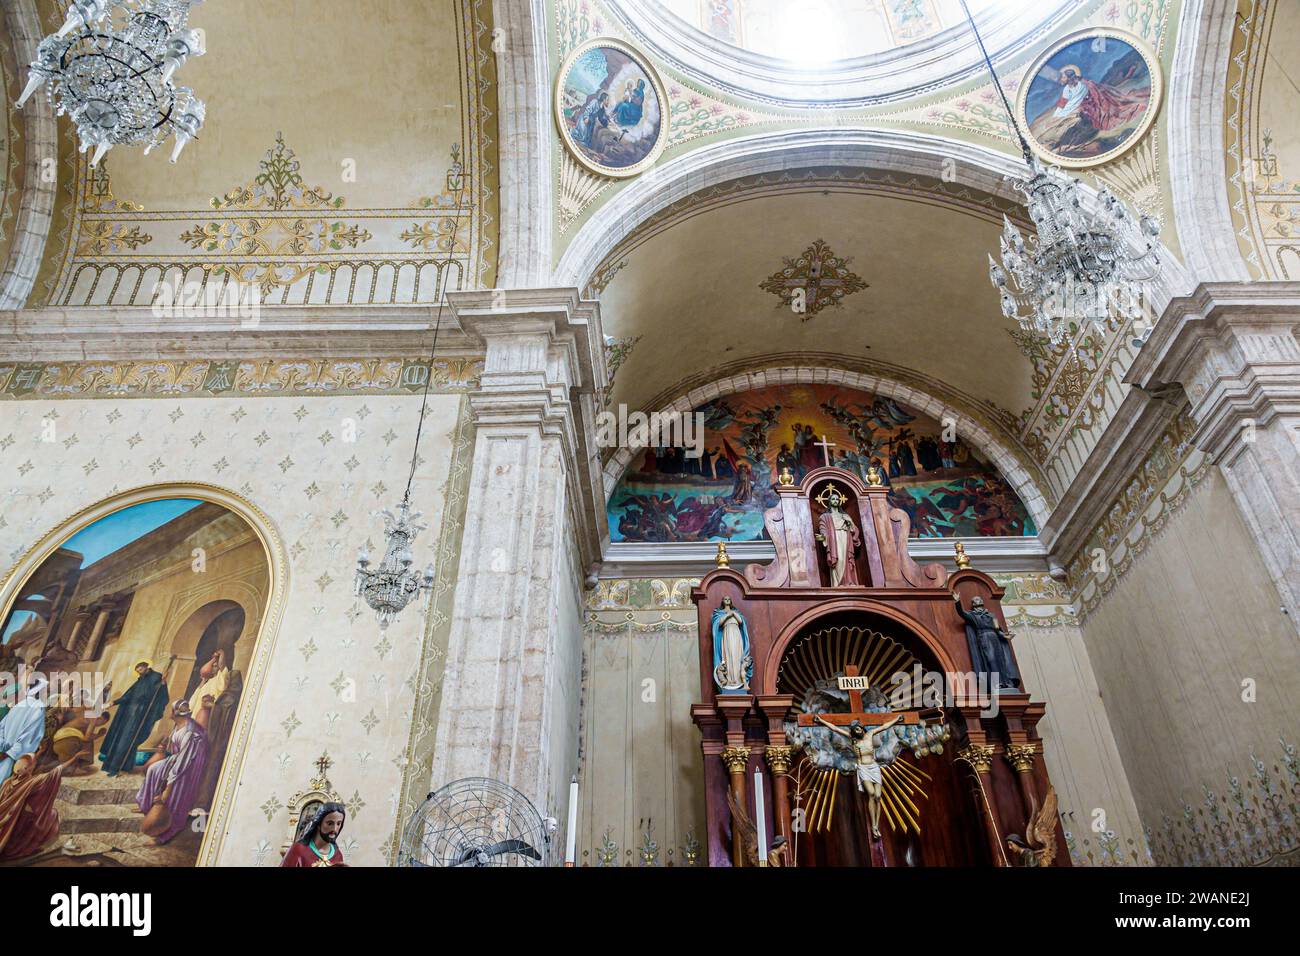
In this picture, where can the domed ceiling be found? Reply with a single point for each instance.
(821, 30)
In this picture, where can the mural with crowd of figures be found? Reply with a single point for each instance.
(942, 483)
(126, 651)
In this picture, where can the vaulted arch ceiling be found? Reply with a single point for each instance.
(322, 173)
(704, 283)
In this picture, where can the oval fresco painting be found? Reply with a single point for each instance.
(1090, 98)
(718, 489)
(123, 656)
(610, 108)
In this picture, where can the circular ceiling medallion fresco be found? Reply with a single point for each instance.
(1090, 98)
(611, 108)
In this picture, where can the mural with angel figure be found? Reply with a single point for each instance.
(610, 107)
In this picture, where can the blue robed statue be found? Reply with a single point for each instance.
(732, 663)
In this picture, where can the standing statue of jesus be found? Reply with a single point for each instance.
(870, 778)
(841, 538)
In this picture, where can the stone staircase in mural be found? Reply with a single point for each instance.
(98, 804)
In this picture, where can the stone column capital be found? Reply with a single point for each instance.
(544, 363)
(526, 333)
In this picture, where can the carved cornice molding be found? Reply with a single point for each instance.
(133, 333)
(543, 367)
(1234, 348)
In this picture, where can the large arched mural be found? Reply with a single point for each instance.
(122, 661)
(942, 483)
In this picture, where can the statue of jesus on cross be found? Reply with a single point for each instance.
(862, 728)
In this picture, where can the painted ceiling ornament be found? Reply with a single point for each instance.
(814, 280)
(110, 69)
(611, 108)
(1078, 268)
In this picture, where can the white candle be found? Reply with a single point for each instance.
(571, 838)
(759, 820)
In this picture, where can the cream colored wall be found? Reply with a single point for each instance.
(334, 684)
(1178, 644)
(1098, 813)
(642, 775)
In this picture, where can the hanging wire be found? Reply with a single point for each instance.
(1006, 104)
(437, 326)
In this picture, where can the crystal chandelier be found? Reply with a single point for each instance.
(1079, 266)
(110, 68)
(389, 588)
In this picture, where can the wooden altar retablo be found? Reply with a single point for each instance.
(960, 771)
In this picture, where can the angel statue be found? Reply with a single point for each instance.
(732, 663)
(1038, 848)
(742, 824)
(863, 740)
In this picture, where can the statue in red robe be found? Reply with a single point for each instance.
(318, 845)
(841, 538)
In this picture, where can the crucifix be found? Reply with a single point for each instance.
(862, 730)
(826, 447)
(855, 685)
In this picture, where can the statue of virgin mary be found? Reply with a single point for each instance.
(732, 663)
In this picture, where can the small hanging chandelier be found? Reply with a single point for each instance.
(389, 588)
(1079, 266)
(110, 68)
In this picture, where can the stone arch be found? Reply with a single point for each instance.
(903, 152)
(990, 443)
(802, 624)
(1198, 174)
(36, 210)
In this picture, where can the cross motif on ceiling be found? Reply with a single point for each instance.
(816, 279)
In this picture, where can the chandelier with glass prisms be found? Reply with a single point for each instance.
(110, 69)
(1079, 267)
(394, 584)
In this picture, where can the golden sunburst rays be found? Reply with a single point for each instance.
(826, 653)
(902, 792)
(822, 656)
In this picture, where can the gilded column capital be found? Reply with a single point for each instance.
(1021, 756)
(736, 758)
(979, 756)
(779, 758)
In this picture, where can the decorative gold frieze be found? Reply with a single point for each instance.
(251, 377)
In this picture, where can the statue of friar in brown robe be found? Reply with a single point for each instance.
(841, 538)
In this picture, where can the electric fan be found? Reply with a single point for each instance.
(475, 822)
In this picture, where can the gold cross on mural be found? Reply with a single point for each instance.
(816, 279)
